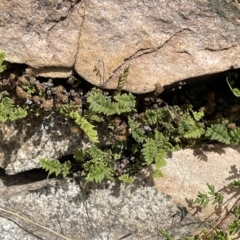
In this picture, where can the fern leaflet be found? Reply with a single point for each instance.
(137, 132)
(86, 126)
(52, 166)
(149, 150)
(98, 172)
(218, 132)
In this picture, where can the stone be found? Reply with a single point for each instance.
(25, 141)
(43, 34)
(162, 42)
(65, 209)
(188, 171)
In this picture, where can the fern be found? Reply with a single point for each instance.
(137, 133)
(151, 117)
(2, 65)
(198, 115)
(125, 102)
(235, 136)
(51, 166)
(160, 159)
(8, 111)
(219, 133)
(101, 104)
(86, 126)
(162, 141)
(126, 178)
(195, 131)
(54, 166)
(149, 150)
(122, 79)
(98, 172)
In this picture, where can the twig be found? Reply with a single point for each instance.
(34, 223)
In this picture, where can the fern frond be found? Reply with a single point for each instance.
(198, 115)
(160, 159)
(79, 155)
(86, 126)
(137, 132)
(122, 79)
(235, 136)
(162, 141)
(149, 150)
(126, 178)
(52, 166)
(100, 103)
(157, 173)
(17, 113)
(125, 102)
(65, 168)
(98, 172)
(2, 66)
(219, 133)
(8, 110)
(151, 116)
(195, 131)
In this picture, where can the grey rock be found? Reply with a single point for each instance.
(106, 211)
(25, 141)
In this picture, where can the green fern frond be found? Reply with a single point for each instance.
(198, 115)
(65, 168)
(86, 126)
(157, 173)
(219, 133)
(235, 136)
(96, 153)
(100, 103)
(98, 172)
(160, 159)
(54, 166)
(126, 178)
(122, 79)
(162, 141)
(79, 155)
(8, 111)
(149, 150)
(195, 131)
(2, 65)
(137, 133)
(51, 166)
(151, 116)
(125, 102)
(17, 113)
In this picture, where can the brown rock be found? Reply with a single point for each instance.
(163, 42)
(188, 171)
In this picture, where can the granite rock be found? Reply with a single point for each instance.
(162, 42)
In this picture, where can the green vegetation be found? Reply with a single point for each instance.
(8, 110)
(217, 232)
(141, 134)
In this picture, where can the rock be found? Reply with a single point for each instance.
(188, 171)
(25, 141)
(162, 42)
(43, 34)
(112, 211)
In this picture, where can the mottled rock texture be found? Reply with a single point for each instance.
(162, 41)
(24, 142)
(106, 211)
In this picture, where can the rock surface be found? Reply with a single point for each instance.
(163, 42)
(188, 171)
(112, 211)
(24, 142)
